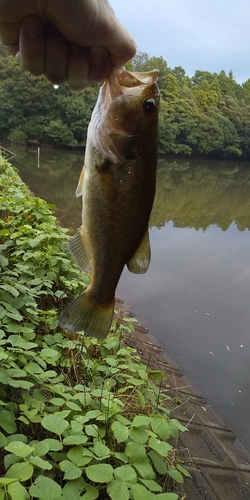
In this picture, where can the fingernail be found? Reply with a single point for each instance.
(32, 28)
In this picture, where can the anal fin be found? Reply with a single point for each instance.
(78, 250)
(141, 258)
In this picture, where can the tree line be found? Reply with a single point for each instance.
(207, 114)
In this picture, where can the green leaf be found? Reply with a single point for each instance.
(183, 470)
(54, 444)
(18, 448)
(144, 468)
(71, 471)
(54, 423)
(78, 456)
(139, 435)
(72, 489)
(73, 406)
(3, 440)
(3, 260)
(101, 473)
(158, 462)
(45, 489)
(101, 450)
(140, 398)
(41, 448)
(140, 492)
(151, 485)
(13, 291)
(122, 457)
(4, 481)
(126, 473)
(135, 451)
(176, 424)
(121, 432)
(4, 376)
(91, 492)
(176, 475)
(159, 446)
(39, 462)
(118, 490)
(21, 471)
(18, 492)
(140, 421)
(75, 439)
(57, 401)
(122, 419)
(93, 414)
(49, 353)
(7, 421)
(33, 367)
(161, 427)
(91, 430)
(21, 384)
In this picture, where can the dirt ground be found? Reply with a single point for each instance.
(220, 470)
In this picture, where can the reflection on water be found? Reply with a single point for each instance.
(195, 297)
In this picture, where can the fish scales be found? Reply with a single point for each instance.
(117, 186)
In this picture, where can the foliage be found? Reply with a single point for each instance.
(208, 114)
(79, 418)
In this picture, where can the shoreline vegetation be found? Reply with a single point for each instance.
(204, 115)
(79, 418)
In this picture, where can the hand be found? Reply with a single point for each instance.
(77, 41)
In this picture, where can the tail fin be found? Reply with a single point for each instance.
(86, 314)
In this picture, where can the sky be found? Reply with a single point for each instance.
(211, 35)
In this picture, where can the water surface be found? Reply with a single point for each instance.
(195, 297)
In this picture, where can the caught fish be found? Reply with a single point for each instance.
(117, 185)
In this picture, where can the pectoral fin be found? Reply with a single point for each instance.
(141, 258)
(79, 188)
(78, 250)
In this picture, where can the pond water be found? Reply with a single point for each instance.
(195, 297)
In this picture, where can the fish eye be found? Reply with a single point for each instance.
(149, 105)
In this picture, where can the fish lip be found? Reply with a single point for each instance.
(123, 82)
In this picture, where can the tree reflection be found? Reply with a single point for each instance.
(191, 193)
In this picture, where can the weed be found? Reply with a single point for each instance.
(79, 418)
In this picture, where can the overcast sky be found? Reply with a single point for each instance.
(211, 35)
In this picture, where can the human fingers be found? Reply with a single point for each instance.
(56, 55)
(77, 67)
(42, 50)
(31, 46)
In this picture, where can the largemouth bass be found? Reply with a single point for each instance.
(117, 185)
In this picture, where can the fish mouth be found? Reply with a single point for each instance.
(120, 84)
(128, 83)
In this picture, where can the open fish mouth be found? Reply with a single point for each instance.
(122, 82)
(120, 92)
